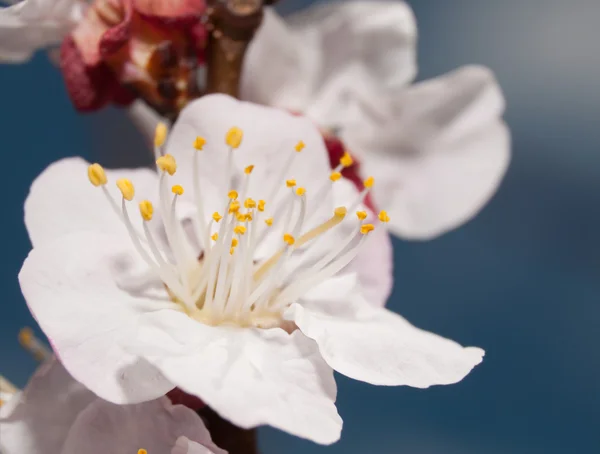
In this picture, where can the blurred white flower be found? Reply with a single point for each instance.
(438, 148)
(57, 415)
(249, 309)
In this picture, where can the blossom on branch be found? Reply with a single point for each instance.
(241, 272)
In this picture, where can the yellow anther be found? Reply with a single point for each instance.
(214, 236)
(233, 195)
(269, 221)
(160, 134)
(199, 143)
(369, 182)
(362, 215)
(248, 170)
(383, 216)
(167, 164)
(231, 251)
(340, 212)
(126, 187)
(216, 216)
(290, 183)
(146, 210)
(249, 203)
(234, 242)
(300, 192)
(241, 217)
(300, 146)
(177, 189)
(97, 175)
(26, 337)
(234, 207)
(142, 451)
(335, 176)
(289, 239)
(239, 229)
(366, 228)
(234, 137)
(261, 205)
(249, 217)
(346, 160)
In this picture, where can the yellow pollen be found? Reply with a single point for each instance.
(142, 451)
(167, 164)
(160, 134)
(250, 203)
(199, 143)
(300, 191)
(366, 228)
(234, 207)
(231, 251)
(340, 212)
(234, 137)
(248, 217)
(126, 187)
(300, 146)
(25, 337)
(290, 183)
(248, 170)
(214, 237)
(369, 182)
(362, 215)
(289, 239)
(239, 229)
(335, 176)
(269, 221)
(146, 210)
(241, 217)
(383, 216)
(234, 242)
(177, 189)
(97, 175)
(233, 195)
(217, 217)
(346, 160)
(261, 205)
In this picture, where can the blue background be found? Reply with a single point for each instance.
(521, 280)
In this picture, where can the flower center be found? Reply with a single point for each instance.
(227, 284)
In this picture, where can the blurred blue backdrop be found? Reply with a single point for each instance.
(521, 280)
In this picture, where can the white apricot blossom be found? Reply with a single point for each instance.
(244, 279)
(55, 414)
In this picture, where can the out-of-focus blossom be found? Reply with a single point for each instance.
(246, 276)
(55, 414)
(113, 50)
(438, 148)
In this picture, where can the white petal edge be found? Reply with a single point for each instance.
(69, 285)
(377, 346)
(249, 376)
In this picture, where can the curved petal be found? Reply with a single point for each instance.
(34, 24)
(69, 285)
(169, 8)
(439, 153)
(62, 200)
(39, 418)
(330, 52)
(378, 346)
(184, 445)
(155, 426)
(248, 376)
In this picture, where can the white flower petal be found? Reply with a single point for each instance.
(184, 445)
(330, 52)
(37, 420)
(249, 376)
(62, 200)
(438, 154)
(155, 426)
(378, 346)
(70, 287)
(34, 24)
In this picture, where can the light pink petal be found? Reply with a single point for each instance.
(39, 418)
(186, 446)
(378, 346)
(71, 288)
(169, 8)
(155, 426)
